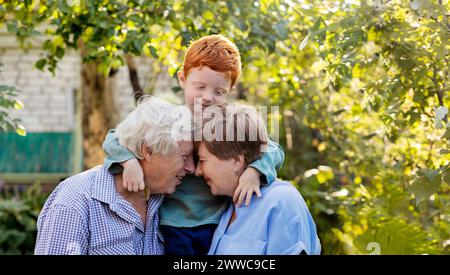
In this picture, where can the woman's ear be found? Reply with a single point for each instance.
(146, 152)
(239, 161)
(181, 79)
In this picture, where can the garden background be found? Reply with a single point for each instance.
(362, 88)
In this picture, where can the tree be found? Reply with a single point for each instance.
(359, 84)
(109, 33)
(362, 88)
(8, 101)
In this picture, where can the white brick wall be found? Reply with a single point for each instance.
(49, 100)
(124, 90)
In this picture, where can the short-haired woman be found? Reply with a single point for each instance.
(279, 222)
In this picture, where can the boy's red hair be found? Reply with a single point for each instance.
(215, 51)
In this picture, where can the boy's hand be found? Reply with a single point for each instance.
(249, 183)
(133, 176)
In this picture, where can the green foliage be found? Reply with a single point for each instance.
(359, 94)
(8, 102)
(108, 29)
(358, 84)
(18, 217)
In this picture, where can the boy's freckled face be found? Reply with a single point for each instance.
(211, 87)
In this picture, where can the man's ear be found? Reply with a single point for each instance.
(181, 78)
(146, 152)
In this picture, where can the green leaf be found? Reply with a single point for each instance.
(18, 105)
(425, 186)
(395, 236)
(446, 135)
(59, 52)
(11, 26)
(153, 52)
(446, 176)
(41, 63)
(5, 88)
(304, 42)
(21, 130)
(369, 136)
(281, 30)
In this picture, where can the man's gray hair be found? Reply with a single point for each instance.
(157, 123)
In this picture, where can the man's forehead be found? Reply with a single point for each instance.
(186, 146)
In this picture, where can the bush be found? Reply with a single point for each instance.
(18, 217)
(356, 216)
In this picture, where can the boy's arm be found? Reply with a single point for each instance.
(270, 162)
(120, 160)
(115, 153)
(260, 172)
(62, 231)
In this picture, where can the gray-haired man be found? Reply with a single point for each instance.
(92, 213)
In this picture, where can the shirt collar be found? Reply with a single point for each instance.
(104, 188)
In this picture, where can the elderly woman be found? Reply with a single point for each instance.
(92, 213)
(277, 223)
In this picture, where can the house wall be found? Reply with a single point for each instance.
(49, 100)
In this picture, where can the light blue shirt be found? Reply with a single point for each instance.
(278, 223)
(86, 215)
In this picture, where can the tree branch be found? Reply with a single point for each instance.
(134, 78)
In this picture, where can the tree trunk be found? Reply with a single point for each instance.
(134, 78)
(241, 92)
(98, 111)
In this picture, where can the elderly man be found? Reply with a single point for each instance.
(92, 213)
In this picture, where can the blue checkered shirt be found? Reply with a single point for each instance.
(86, 215)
